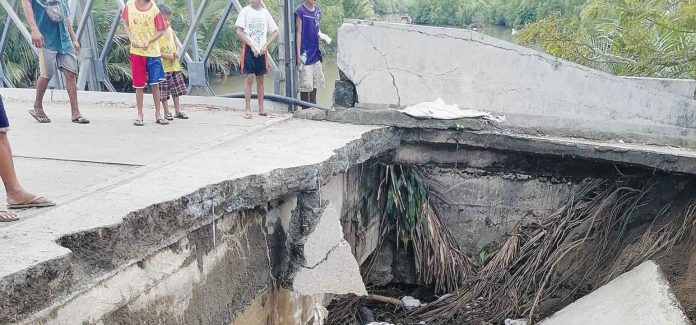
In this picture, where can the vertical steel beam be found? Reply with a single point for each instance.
(194, 46)
(281, 76)
(86, 14)
(289, 48)
(92, 49)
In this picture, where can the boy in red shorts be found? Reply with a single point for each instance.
(175, 85)
(144, 26)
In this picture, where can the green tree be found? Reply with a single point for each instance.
(626, 37)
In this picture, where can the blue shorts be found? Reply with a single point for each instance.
(253, 65)
(4, 121)
(146, 71)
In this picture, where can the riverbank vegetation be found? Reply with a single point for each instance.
(650, 38)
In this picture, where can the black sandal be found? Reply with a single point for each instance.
(162, 122)
(169, 117)
(181, 115)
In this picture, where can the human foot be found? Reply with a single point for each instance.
(24, 200)
(7, 215)
(39, 115)
(80, 120)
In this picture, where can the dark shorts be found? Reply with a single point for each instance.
(175, 86)
(4, 121)
(251, 64)
(146, 71)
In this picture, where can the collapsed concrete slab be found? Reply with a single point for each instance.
(484, 73)
(639, 297)
(329, 264)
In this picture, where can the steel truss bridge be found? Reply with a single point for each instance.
(94, 74)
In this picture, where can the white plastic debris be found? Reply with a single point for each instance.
(325, 38)
(320, 314)
(516, 322)
(439, 110)
(410, 303)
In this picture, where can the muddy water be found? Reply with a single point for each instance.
(325, 95)
(280, 307)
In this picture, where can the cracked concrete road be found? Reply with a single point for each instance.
(63, 160)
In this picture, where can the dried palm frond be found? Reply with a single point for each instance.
(439, 260)
(589, 240)
(526, 268)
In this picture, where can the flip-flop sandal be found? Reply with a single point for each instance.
(247, 116)
(169, 117)
(138, 123)
(7, 215)
(39, 118)
(162, 122)
(80, 120)
(35, 202)
(181, 115)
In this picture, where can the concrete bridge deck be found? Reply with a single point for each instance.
(111, 175)
(102, 173)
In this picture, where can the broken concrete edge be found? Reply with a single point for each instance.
(641, 296)
(102, 98)
(654, 157)
(303, 221)
(133, 287)
(326, 263)
(245, 193)
(539, 126)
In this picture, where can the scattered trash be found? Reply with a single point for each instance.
(410, 303)
(516, 322)
(320, 314)
(439, 110)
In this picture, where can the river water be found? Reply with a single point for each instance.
(325, 96)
